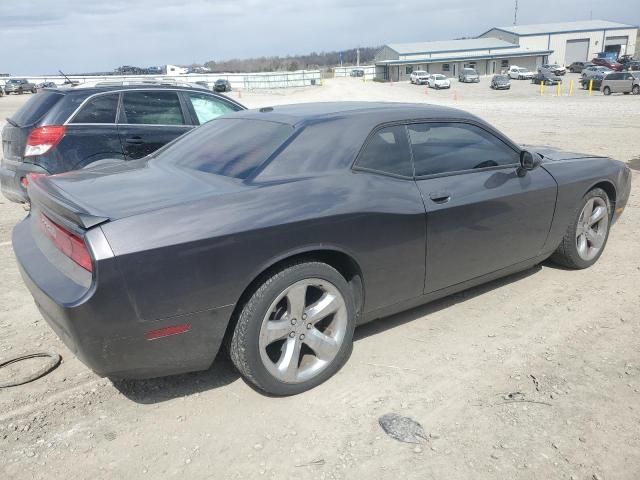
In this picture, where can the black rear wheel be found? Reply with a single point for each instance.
(296, 329)
(636, 89)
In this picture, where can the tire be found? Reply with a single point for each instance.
(606, 91)
(20, 92)
(255, 354)
(636, 89)
(568, 254)
(34, 90)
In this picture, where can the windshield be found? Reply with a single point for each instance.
(231, 147)
(501, 78)
(420, 72)
(469, 70)
(14, 80)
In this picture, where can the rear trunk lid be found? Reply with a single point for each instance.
(96, 195)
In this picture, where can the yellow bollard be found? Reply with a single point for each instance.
(571, 88)
(590, 86)
(558, 89)
(541, 87)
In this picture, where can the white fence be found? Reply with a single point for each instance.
(369, 71)
(262, 80)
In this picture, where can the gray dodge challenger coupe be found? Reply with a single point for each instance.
(276, 231)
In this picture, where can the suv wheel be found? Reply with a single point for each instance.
(296, 330)
(606, 91)
(636, 89)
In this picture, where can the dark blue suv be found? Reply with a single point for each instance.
(69, 129)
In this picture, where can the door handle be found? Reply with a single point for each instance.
(134, 140)
(440, 197)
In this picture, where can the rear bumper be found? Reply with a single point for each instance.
(11, 174)
(101, 327)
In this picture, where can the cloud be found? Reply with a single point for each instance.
(98, 35)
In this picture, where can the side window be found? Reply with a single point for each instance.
(100, 109)
(452, 147)
(151, 108)
(208, 107)
(388, 151)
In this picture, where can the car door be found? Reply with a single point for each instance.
(626, 82)
(482, 213)
(91, 133)
(149, 119)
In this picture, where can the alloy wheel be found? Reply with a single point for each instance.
(591, 231)
(303, 330)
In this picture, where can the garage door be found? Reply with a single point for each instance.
(616, 41)
(577, 51)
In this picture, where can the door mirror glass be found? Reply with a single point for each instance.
(529, 160)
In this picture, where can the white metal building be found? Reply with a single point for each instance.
(499, 48)
(395, 62)
(571, 41)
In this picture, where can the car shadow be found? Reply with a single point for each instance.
(222, 371)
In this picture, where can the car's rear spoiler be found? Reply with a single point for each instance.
(42, 192)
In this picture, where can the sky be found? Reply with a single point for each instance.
(78, 36)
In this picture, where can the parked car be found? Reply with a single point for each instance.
(69, 129)
(520, 73)
(47, 85)
(1, 91)
(419, 77)
(552, 68)
(357, 72)
(620, 82)
(589, 72)
(577, 67)
(237, 231)
(624, 59)
(546, 78)
(222, 85)
(19, 86)
(633, 65)
(469, 75)
(500, 82)
(438, 81)
(596, 79)
(610, 64)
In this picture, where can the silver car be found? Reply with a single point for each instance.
(594, 70)
(620, 82)
(468, 75)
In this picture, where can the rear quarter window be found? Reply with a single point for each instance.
(36, 107)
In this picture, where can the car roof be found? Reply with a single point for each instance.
(365, 113)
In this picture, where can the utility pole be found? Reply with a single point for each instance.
(357, 57)
(515, 14)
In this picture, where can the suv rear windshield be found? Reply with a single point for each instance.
(35, 108)
(230, 147)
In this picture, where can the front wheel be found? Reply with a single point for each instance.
(636, 89)
(586, 237)
(296, 330)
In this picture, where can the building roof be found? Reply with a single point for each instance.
(468, 55)
(445, 46)
(563, 27)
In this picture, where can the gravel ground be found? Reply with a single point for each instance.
(535, 376)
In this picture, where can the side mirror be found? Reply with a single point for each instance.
(529, 161)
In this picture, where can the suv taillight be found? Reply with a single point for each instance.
(68, 243)
(43, 139)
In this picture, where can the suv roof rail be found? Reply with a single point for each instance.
(141, 82)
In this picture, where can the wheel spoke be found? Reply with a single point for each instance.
(325, 306)
(596, 239)
(587, 210)
(277, 330)
(322, 345)
(296, 297)
(288, 363)
(582, 244)
(597, 215)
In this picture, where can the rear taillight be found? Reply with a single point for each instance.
(43, 139)
(68, 243)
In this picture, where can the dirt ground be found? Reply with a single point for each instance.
(566, 342)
